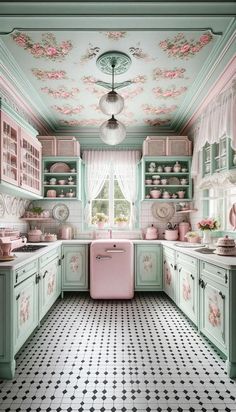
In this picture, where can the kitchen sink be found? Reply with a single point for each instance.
(188, 245)
(205, 250)
(29, 248)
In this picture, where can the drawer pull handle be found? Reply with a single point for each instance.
(219, 273)
(180, 269)
(37, 279)
(18, 296)
(226, 278)
(46, 271)
(202, 283)
(171, 265)
(175, 267)
(191, 275)
(99, 257)
(164, 262)
(221, 294)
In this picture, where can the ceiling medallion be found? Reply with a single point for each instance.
(121, 60)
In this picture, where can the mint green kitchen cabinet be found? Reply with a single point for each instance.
(66, 175)
(25, 313)
(148, 267)
(187, 267)
(218, 157)
(158, 174)
(74, 267)
(49, 285)
(214, 305)
(170, 274)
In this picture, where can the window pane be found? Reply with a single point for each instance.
(100, 206)
(104, 193)
(117, 191)
(122, 207)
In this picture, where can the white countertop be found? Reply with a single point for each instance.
(227, 262)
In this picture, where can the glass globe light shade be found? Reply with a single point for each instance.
(111, 103)
(112, 131)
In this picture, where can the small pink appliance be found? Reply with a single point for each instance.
(184, 227)
(151, 233)
(10, 240)
(111, 269)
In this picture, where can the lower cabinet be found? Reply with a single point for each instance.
(214, 304)
(170, 274)
(187, 267)
(25, 313)
(49, 285)
(74, 267)
(148, 267)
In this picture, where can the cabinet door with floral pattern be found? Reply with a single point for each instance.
(169, 278)
(148, 265)
(48, 286)
(213, 307)
(188, 292)
(25, 310)
(75, 267)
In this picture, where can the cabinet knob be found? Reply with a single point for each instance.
(222, 295)
(191, 275)
(17, 296)
(46, 271)
(226, 278)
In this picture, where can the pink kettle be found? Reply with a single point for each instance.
(151, 233)
(184, 227)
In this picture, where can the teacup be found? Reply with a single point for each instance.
(183, 181)
(164, 181)
(181, 194)
(53, 181)
(168, 169)
(166, 195)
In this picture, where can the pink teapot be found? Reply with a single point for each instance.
(151, 233)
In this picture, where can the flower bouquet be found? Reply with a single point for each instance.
(99, 219)
(121, 220)
(207, 225)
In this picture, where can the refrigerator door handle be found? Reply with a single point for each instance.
(100, 257)
(114, 250)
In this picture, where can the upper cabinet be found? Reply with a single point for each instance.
(218, 157)
(20, 160)
(10, 158)
(167, 146)
(65, 146)
(166, 178)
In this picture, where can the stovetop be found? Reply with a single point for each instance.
(29, 248)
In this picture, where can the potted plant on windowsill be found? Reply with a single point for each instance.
(99, 219)
(121, 220)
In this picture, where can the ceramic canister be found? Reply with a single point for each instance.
(184, 227)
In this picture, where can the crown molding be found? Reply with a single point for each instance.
(223, 52)
(121, 8)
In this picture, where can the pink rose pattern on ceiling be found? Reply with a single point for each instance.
(48, 48)
(61, 93)
(155, 75)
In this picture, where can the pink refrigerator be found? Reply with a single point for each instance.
(111, 269)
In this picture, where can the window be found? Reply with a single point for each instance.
(214, 205)
(110, 200)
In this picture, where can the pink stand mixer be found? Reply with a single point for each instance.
(10, 240)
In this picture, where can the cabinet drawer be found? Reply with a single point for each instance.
(168, 253)
(43, 260)
(214, 272)
(184, 260)
(25, 271)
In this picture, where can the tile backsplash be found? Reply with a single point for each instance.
(11, 209)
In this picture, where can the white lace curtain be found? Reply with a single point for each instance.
(218, 120)
(98, 163)
(97, 168)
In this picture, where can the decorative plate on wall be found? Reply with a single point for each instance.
(60, 212)
(163, 211)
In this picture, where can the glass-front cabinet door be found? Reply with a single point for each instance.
(9, 150)
(220, 155)
(206, 160)
(30, 164)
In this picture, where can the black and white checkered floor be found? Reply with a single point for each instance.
(139, 355)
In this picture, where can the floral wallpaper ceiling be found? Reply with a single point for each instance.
(61, 67)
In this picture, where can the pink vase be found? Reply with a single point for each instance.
(100, 225)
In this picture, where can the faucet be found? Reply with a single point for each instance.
(110, 233)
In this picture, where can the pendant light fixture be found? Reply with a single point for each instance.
(112, 131)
